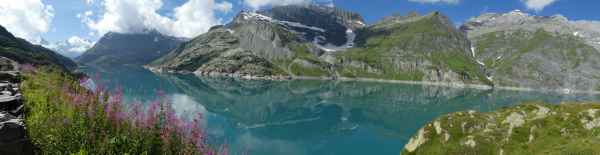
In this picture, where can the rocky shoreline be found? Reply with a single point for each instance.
(442, 84)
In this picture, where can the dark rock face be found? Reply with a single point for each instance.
(333, 21)
(24, 52)
(13, 138)
(128, 49)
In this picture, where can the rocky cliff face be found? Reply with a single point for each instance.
(318, 41)
(278, 42)
(550, 52)
(129, 49)
(24, 52)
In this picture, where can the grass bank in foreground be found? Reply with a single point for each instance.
(530, 128)
(63, 117)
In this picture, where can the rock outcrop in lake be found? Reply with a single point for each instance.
(325, 42)
(24, 52)
(532, 128)
(129, 49)
(550, 52)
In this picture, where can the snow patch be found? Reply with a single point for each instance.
(360, 23)
(350, 37)
(517, 13)
(257, 16)
(490, 78)
(294, 24)
(260, 17)
(576, 34)
(566, 91)
(479, 62)
(472, 51)
(473, 54)
(230, 31)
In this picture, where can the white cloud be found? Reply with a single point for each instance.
(437, 1)
(78, 44)
(72, 47)
(89, 2)
(257, 4)
(224, 7)
(128, 16)
(537, 5)
(27, 19)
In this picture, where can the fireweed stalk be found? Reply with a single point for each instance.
(63, 117)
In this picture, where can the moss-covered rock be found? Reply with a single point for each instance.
(529, 128)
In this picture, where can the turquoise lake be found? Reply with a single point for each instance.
(313, 117)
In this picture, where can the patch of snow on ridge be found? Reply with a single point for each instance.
(294, 24)
(230, 31)
(473, 53)
(491, 78)
(360, 23)
(254, 15)
(518, 13)
(498, 58)
(350, 37)
(260, 17)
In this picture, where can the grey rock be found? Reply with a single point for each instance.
(549, 52)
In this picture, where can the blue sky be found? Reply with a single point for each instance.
(67, 19)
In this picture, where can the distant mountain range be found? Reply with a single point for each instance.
(71, 48)
(23, 52)
(128, 49)
(511, 49)
(319, 41)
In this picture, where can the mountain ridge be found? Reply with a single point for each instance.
(24, 52)
(284, 43)
(128, 49)
(298, 49)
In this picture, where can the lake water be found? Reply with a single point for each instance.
(312, 116)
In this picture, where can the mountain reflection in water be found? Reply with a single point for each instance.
(312, 116)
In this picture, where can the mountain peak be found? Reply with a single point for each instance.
(116, 48)
(517, 13)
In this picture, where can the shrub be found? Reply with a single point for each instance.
(62, 117)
